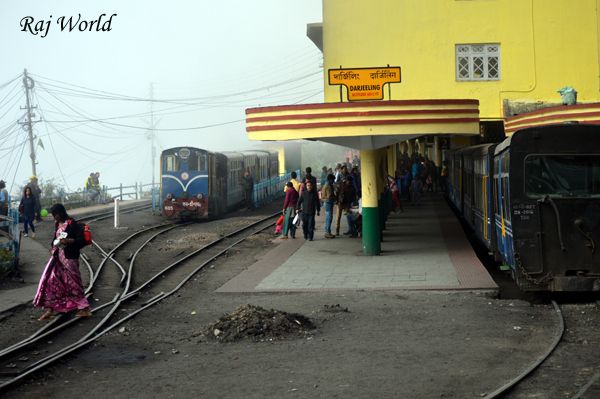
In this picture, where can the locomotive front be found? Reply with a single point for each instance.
(184, 183)
(555, 183)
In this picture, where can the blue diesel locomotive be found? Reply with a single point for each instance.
(534, 201)
(199, 184)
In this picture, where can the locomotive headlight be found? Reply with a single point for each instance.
(169, 196)
(200, 196)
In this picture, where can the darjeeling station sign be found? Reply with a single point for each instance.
(364, 83)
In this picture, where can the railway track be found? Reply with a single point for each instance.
(140, 288)
(61, 321)
(96, 216)
(545, 383)
(502, 390)
(591, 389)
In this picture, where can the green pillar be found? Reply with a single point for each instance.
(371, 233)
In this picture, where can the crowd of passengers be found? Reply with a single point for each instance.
(338, 191)
(417, 174)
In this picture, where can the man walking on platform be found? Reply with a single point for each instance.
(328, 195)
(309, 177)
(309, 204)
(345, 198)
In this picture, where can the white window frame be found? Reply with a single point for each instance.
(471, 52)
(171, 163)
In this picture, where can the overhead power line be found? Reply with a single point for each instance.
(17, 165)
(3, 85)
(103, 95)
(4, 99)
(247, 102)
(104, 121)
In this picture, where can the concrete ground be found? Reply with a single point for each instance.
(423, 248)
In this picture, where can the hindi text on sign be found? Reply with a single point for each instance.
(364, 83)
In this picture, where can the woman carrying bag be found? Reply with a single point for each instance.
(60, 289)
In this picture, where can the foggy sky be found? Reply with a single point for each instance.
(198, 53)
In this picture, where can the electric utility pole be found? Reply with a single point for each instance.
(28, 84)
(151, 135)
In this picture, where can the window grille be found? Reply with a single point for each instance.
(477, 62)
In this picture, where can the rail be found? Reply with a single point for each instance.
(102, 327)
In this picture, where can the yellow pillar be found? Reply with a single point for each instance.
(281, 159)
(371, 234)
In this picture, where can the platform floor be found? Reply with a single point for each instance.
(424, 248)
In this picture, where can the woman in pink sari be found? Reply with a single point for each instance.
(60, 289)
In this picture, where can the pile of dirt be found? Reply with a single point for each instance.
(258, 324)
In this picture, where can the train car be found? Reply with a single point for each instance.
(199, 184)
(468, 184)
(234, 172)
(502, 203)
(274, 183)
(548, 186)
(454, 186)
(217, 185)
(469, 189)
(184, 182)
(534, 201)
(482, 206)
(258, 163)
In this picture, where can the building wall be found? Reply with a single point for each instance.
(545, 45)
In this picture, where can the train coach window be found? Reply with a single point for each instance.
(171, 163)
(197, 161)
(495, 191)
(478, 194)
(562, 175)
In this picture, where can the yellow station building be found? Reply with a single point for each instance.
(465, 66)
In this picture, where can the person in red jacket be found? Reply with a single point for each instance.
(289, 206)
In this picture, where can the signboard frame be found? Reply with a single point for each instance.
(364, 83)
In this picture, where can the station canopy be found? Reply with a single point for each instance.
(364, 125)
